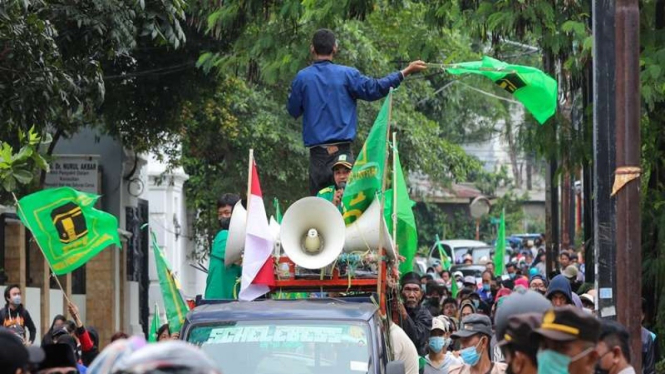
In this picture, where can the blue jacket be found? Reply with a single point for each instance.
(325, 94)
(560, 284)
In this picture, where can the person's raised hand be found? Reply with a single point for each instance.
(338, 197)
(414, 67)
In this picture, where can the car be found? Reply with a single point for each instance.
(475, 271)
(306, 336)
(456, 249)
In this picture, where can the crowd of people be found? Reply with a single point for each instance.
(519, 322)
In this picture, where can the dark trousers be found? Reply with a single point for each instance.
(321, 160)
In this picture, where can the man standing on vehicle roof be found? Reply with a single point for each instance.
(325, 94)
(222, 279)
(416, 319)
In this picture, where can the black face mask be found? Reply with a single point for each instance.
(599, 370)
(225, 222)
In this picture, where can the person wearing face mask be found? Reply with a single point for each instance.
(433, 297)
(568, 338)
(474, 336)
(57, 324)
(486, 291)
(439, 360)
(613, 349)
(15, 317)
(519, 346)
(416, 319)
(221, 279)
(538, 283)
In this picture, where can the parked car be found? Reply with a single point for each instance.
(454, 249)
(475, 271)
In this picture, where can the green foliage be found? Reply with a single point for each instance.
(19, 168)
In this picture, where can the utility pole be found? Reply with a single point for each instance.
(604, 224)
(551, 189)
(627, 178)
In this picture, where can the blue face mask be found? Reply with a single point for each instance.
(512, 275)
(552, 362)
(470, 355)
(486, 287)
(436, 343)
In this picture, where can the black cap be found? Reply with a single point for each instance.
(519, 330)
(14, 355)
(58, 355)
(410, 278)
(568, 323)
(345, 159)
(474, 324)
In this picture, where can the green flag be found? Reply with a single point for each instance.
(453, 287)
(366, 176)
(174, 302)
(154, 326)
(67, 227)
(445, 260)
(500, 246)
(278, 211)
(407, 235)
(530, 86)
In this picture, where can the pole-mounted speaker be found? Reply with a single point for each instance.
(369, 232)
(235, 243)
(312, 233)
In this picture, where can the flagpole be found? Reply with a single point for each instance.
(249, 179)
(394, 212)
(64, 293)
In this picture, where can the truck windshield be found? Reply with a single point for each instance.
(286, 347)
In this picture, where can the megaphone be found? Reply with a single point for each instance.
(369, 232)
(312, 233)
(235, 243)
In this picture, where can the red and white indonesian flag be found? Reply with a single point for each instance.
(257, 264)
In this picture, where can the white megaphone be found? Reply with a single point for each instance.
(235, 243)
(312, 233)
(274, 230)
(369, 232)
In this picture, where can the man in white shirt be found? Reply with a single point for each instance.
(403, 349)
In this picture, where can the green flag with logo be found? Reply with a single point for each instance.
(174, 303)
(154, 326)
(530, 86)
(67, 227)
(407, 234)
(366, 176)
(500, 246)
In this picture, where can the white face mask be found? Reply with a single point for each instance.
(16, 300)
(590, 311)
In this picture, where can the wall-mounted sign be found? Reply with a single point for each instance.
(75, 171)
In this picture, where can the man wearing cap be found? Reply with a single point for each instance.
(15, 358)
(439, 360)
(341, 169)
(568, 338)
(416, 319)
(571, 274)
(474, 335)
(325, 95)
(519, 346)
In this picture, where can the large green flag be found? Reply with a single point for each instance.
(154, 326)
(407, 235)
(533, 88)
(367, 174)
(67, 227)
(174, 302)
(445, 260)
(500, 246)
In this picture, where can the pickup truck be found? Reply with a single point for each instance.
(307, 336)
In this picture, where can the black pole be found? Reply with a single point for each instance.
(604, 154)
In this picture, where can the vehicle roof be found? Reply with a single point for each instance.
(310, 309)
(467, 266)
(463, 243)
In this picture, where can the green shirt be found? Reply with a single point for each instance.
(328, 193)
(221, 279)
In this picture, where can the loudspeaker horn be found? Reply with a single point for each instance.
(235, 243)
(312, 233)
(369, 232)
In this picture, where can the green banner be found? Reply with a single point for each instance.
(407, 234)
(154, 326)
(500, 246)
(530, 86)
(445, 260)
(278, 211)
(174, 303)
(367, 174)
(67, 227)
